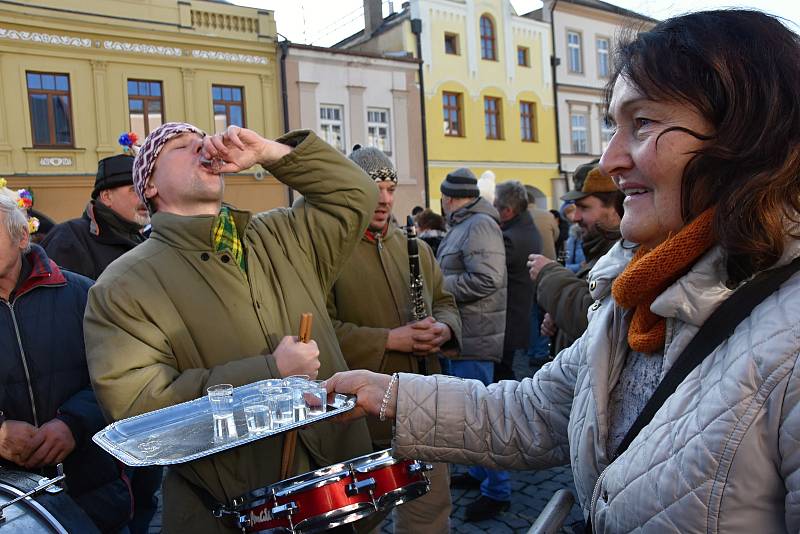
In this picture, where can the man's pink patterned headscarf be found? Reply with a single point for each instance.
(148, 153)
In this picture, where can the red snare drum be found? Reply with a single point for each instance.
(334, 495)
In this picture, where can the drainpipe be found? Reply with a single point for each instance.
(285, 98)
(416, 29)
(554, 62)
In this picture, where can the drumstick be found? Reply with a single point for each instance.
(290, 444)
(305, 327)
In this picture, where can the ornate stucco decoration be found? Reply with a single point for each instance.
(55, 162)
(46, 38)
(141, 48)
(226, 56)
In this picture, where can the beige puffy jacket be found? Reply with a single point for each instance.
(721, 455)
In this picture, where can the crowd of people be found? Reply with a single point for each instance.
(655, 311)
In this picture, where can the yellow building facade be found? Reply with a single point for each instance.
(75, 74)
(488, 88)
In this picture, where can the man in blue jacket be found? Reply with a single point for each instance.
(48, 411)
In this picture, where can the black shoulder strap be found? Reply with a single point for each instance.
(718, 327)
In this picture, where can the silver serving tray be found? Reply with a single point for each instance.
(184, 432)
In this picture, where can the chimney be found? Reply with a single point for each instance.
(547, 10)
(373, 16)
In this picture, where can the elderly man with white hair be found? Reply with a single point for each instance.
(48, 411)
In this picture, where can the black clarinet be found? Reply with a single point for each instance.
(417, 299)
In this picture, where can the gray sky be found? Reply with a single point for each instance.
(325, 22)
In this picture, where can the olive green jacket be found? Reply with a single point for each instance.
(372, 296)
(566, 295)
(172, 317)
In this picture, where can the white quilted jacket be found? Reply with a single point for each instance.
(721, 455)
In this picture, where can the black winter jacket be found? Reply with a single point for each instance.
(87, 245)
(521, 238)
(43, 375)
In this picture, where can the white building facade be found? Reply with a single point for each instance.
(353, 98)
(586, 34)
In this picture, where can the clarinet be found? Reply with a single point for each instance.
(417, 300)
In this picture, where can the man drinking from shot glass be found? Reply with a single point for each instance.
(213, 296)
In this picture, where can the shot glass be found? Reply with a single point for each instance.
(297, 383)
(315, 397)
(256, 413)
(295, 380)
(221, 399)
(281, 408)
(298, 404)
(269, 383)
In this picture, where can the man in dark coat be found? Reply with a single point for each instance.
(521, 238)
(110, 226)
(48, 411)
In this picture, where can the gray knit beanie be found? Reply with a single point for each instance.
(374, 162)
(461, 183)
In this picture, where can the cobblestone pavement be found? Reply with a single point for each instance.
(530, 492)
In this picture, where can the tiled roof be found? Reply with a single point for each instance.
(596, 4)
(388, 22)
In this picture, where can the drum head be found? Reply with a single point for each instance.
(44, 513)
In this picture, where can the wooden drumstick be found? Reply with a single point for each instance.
(290, 444)
(305, 327)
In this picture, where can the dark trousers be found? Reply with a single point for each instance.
(145, 482)
(504, 370)
(539, 345)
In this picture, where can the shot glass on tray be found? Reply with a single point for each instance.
(281, 406)
(220, 397)
(315, 397)
(256, 413)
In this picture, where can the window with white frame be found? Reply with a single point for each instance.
(602, 57)
(606, 132)
(575, 63)
(580, 139)
(331, 125)
(378, 129)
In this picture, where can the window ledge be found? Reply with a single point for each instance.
(74, 150)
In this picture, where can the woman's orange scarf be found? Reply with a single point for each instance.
(650, 272)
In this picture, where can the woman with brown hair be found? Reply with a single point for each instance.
(678, 408)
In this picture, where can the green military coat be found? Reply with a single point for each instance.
(172, 317)
(372, 296)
